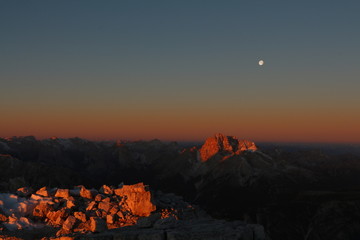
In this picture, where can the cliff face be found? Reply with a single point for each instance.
(227, 145)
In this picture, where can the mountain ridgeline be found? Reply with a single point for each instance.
(293, 194)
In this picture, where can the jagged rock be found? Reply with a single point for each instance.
(69, 223)
(110, 218)
(99, 197)
(43, 192)
(85, 193)
(91, 206)
(97, 224)
(104, 206)
(3, 217)
(224, 144)
(42, 209)
(70, 204)
(101, 213)
(62, 193)
(106, 190)
(57, 217)
(137, 199)
(114, 210)
(24, 192)
(120, 215)
(62, 232)
(80, 216)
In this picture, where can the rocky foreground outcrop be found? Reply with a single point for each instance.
(125, 212)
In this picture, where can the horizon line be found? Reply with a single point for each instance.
(103, 139)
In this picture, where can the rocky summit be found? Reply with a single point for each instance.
(69, 188)
(226, 145)
(125, 212)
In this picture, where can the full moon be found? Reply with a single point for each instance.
(261, 62)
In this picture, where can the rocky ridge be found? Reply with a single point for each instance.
(126, 212)
(264, 185)
(227, 145)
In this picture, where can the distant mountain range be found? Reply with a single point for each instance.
(283, 187)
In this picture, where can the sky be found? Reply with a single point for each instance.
(181, 70)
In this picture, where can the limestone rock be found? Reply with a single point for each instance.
(137, 199)
(57, 217)
(104, 206)
(80, 216)
(3, 217)
(106, 190)
(43, 192)
(62, 193)
(224, 144)
(70, 204)
(85, 193)
(42, 209)
(69, 223)
(99, 197)
(110, 218)
(90, 206)
(24, 192)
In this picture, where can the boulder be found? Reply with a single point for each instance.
(106, 190)
(114, 209)
(137, 199)
(80, 216)
(91, 206)
(104, 206)
(110, 219)
(99, 197)
(3, 218)
(24, 192)
(70, 204)
(43, 192)
(62, 193)
(57, 217)
(69, 223)
(42, 209)
(85, 193)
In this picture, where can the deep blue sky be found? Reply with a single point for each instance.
(181, 69)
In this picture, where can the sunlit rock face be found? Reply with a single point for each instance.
(137, 199)
(227, 145)
(74, 210)
(125, 212)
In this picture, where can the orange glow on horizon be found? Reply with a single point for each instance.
(186, 123)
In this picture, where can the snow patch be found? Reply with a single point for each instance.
(17, 209)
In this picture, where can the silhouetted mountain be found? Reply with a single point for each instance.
(292, 192)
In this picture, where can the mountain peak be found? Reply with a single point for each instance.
(227, 144)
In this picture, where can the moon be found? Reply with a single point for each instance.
(261, 62)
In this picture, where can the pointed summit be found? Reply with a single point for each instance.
(224, 144)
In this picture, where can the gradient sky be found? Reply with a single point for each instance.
(181, 70)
